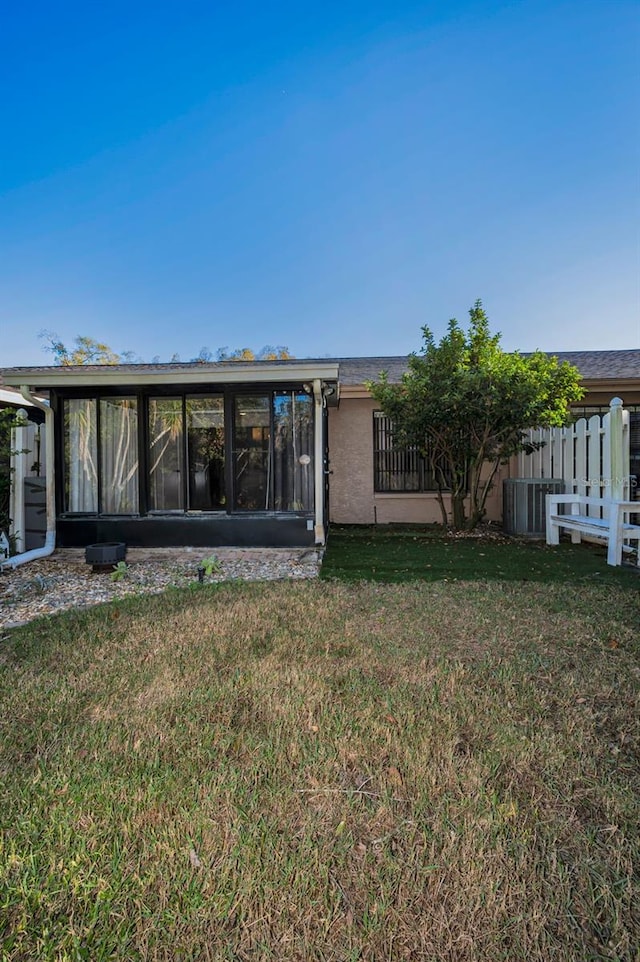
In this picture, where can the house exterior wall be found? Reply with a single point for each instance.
(351, 462)
(352, 499)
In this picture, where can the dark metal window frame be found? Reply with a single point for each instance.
(398, 469)
(230, 392)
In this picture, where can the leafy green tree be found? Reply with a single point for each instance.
(465, 404)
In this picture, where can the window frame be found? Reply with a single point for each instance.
(418, 466)
(142, 396)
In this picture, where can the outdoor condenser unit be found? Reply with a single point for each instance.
(523, 504)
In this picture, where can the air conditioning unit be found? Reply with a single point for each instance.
(523, 504)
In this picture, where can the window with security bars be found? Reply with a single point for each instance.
(396, 468)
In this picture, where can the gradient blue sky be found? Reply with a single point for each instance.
(325, 176)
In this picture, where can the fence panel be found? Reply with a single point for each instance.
(27, 461)
(580, 455)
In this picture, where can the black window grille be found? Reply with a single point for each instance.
(398, 468)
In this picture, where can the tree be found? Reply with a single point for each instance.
(87, 350)
(465, 405)
(267, 353)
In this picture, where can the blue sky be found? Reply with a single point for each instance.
(329, 177)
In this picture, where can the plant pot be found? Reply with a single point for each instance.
(105, 553)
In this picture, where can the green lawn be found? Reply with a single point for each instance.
(435, 770)
(397, 553)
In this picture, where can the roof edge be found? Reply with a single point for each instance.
(260, 372)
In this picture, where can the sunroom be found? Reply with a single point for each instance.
(188, 454)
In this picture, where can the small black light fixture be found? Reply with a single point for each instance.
(201, 572)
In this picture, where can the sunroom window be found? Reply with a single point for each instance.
(205, 434)
(166, 455)
(101, 455)
(293, 451)
(268, 437)
(252, 469)
(119, 455)
(81, 455)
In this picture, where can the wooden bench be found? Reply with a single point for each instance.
(615, 528)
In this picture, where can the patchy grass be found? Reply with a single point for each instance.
(324, 771)
(398, 553)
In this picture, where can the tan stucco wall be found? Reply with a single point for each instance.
(352, 499)
(351, 462)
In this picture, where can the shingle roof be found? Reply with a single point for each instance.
(601, 365)
(357, 370)
(593, 365)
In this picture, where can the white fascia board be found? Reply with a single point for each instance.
(109, 376)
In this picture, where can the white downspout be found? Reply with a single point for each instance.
(318, 463)
(50, 538)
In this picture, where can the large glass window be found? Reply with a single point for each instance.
(293, 476)
(119, 455)
(205, 433)
(80, 455)
(101, 455)
(270, 435)
(252, 452)
(166, 455)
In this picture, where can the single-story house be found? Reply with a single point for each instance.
(248, 453)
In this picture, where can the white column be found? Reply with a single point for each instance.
(318, 461)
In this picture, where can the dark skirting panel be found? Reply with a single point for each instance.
(242, 531)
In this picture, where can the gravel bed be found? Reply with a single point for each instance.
(59, 583)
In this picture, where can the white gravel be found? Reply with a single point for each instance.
(65, 581)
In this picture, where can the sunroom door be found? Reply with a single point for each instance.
(206, 453)
(252, 468)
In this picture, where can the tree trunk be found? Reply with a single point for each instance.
(443, 507)
(457, 510)
(474, 519)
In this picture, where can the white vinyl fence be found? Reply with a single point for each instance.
(27, 508)
(591, 456)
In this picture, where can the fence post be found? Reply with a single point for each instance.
(616, 483)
